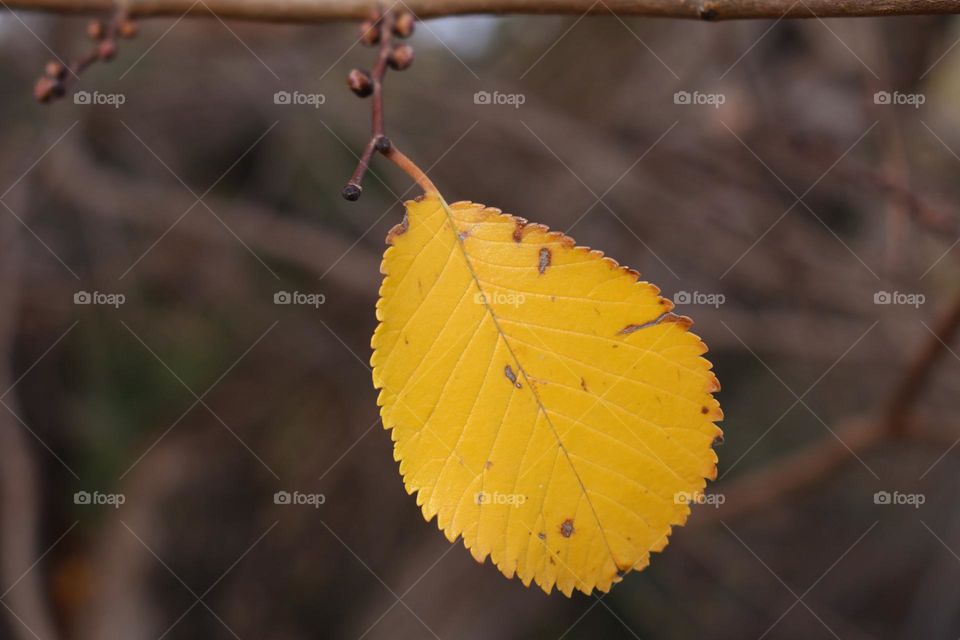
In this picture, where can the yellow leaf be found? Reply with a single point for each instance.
(544, 404)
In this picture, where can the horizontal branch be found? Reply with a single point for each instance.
(327, 10)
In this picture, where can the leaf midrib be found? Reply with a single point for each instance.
(523, 372)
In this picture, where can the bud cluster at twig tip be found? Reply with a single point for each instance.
(379, 29)
(104, 33)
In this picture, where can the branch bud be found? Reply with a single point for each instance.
(127, 29)
(370, 32)
(401, 57)
(55, 70)
(95, 30)
(46, 89)
(352, 192)
(403, 26)
(360, 83)
(106, 50)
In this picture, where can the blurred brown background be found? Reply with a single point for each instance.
(779, 220)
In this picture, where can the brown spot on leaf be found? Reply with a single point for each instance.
(518, 231)
(583, 385)
(566, 528)
(489, 464)
(542, 535)
(717, 441)
(511, 376)
(545, 257)
(683, 321)
(463, 235)
(398, 230)
(704, 410)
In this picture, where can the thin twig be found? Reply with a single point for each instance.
(328, 10)
(381, 29)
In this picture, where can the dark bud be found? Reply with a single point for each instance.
(55, 70)
(360, 82)
(46, 89)
(127, 29)
(106, 50)
(382, 144)
(370, 32)
(403, 26)
(352, 192)
(401, 57)
(96, 30)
